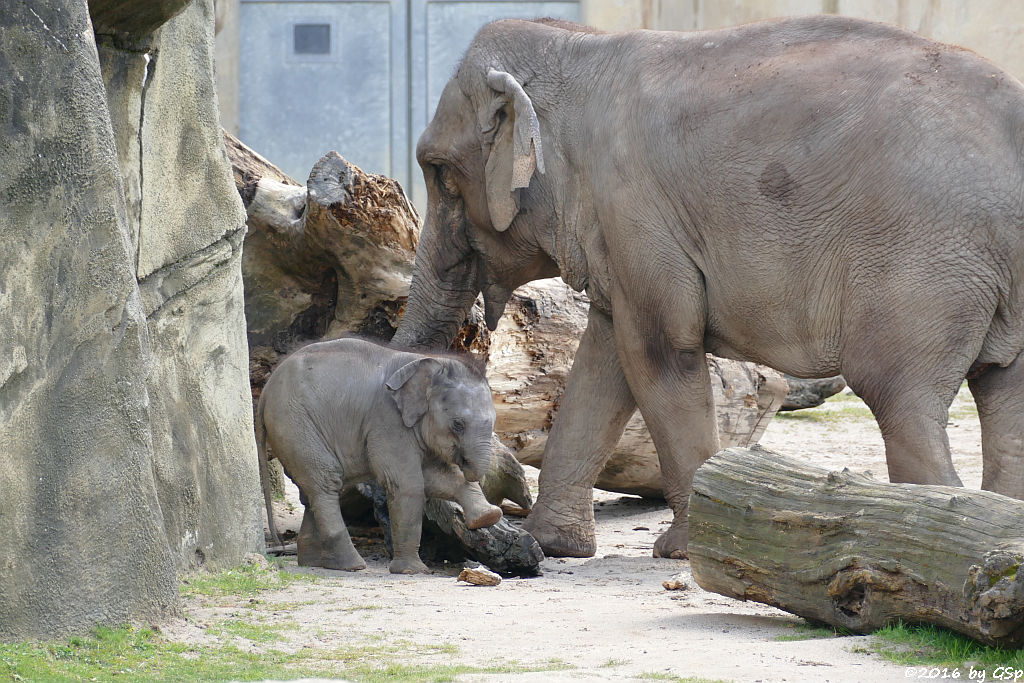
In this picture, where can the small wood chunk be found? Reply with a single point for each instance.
(479, 576)
(675, 583)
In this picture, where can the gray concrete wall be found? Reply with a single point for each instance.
(992, 28)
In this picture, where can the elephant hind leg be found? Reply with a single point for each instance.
(337, 551)
(999, 395)
(310, 549)
(912, 417)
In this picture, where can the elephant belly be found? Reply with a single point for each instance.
(791, 340)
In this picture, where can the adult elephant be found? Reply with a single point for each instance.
(821, 195)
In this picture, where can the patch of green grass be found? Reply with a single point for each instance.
(135, 654)
(356, 608)
(660, 676)
(926, 645)
(612, 663)
(275, 606)
(805, 630)
(245, 581)
(830, 413)
(256, 632)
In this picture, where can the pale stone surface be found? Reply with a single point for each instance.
(193, 224)
(126, 445)
(83, 535)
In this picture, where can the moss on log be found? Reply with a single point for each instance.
(845, 549)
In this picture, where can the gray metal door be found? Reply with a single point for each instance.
(358, 76)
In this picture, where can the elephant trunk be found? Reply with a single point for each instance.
(477, 457)
(445, 283)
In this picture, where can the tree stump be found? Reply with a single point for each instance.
(847, 550)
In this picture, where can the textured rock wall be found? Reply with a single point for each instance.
(126, 448)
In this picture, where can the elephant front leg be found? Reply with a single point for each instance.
(479, 513)
(660, 344)
(405, 507)
(594, 410)
(448, 483)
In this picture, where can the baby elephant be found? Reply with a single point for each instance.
(344, 411)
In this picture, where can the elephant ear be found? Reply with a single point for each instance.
(516, 151)
(408, 387)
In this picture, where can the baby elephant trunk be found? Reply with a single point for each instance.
(477, 457)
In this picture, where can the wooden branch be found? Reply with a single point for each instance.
(847, 550)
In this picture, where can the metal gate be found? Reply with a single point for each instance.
(358, 76)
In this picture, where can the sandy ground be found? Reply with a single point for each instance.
(609, 617)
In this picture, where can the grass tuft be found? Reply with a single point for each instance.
(928, 645)
(244, 581)
(805, 630)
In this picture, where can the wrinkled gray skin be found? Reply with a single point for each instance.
(345, 411)
(821, 195)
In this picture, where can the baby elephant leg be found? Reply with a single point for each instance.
(442, 483)
(337, 551)
(405, 507)
(479, 513)
(309, 546)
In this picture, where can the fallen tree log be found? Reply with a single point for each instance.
(847, 550)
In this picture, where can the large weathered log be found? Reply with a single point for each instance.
(847, 550)
(530, 356)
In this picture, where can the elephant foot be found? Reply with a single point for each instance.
(561, 537)
(310, 553)
(406, 565)
(672, 542)
(486, 517)
(346, 562)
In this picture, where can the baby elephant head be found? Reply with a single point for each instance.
(450, 405)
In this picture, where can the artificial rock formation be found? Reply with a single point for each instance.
(126, 447)
(845, 549)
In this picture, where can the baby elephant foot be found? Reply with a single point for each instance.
(485, 517)
(672, 543)
(406, 565)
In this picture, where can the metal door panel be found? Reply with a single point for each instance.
(300, 101)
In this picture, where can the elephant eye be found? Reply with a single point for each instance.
(447, 178)
(458, 427)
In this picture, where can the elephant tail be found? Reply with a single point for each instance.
(261, 451)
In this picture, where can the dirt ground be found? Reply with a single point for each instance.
(608, 617)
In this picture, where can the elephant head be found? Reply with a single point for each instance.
(490, 216)
(449, 404)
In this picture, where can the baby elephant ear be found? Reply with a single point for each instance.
(408, 387)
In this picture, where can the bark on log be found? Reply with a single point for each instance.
(847, 550)
(531, 353)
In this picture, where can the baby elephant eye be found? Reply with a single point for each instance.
(458, 427)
